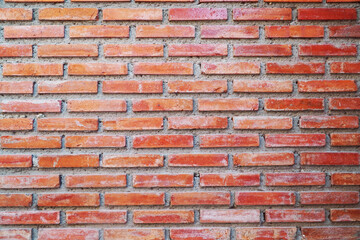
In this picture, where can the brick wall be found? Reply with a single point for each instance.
(179, 119)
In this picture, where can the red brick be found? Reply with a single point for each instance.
(95, 181)
(35, 31)
(345, 67)
(230, 68)
(264, 198)
(15, 14)
(327, 50)
(262, 123)
(268, 50)
(68, 87)
(29, 181)
(68, 233)
(294, 215)
(15, 50)
(345, 179)
(329, 121)
(198, 86)
(95, 217)
(30, 142)
(200, 198)
(296, 68)
(228, 104)
(165, 31)
(198, 160)
(149, 105)
(163, 141)
(293, 1)
(68, 199)
(327, 86)
(68, 50)
(18, 106)
(68, 14)
(132, 14)
(230, 216)
(197, 122)
(163, 216)
(133, 50)
(234, 140)
(311, 198)
(121, 124)
(15, 234)
(163, 180)
(229, 180)
(96, 105)
(197, 14)
(68, 161)
(264, 159)
(67, 124)
(97, 69)
(344, 31)
(330, 158)
(229, 32)
(345, 215)
(15, 161)
(134, 234)
(136, 160)
(166, 68)
(295, 140)
(197, 50)
(32, 69)
(262, 86)
(23, 87)
(328, 233)
(200, 233)
(327, 14)
(262, 14)
(295, 179)
(99, 31)
(294, 31)
(16, 124)
(35, 1)
(100, 141)
(293, 104)
(345, 139)
(132, 86)
(15, 200)
(29, 217)
(284, 233)
(134, 199)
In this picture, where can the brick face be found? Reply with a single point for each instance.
(179, 119)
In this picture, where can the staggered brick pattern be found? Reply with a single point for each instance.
(179, 119)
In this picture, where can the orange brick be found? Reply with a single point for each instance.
(29, 181)
(15, 161)
(264, 198)
(327, 86)
(39, 31)
(264, 159)
(268, 50)
(327, 50)
(295, 140)
(201, 233)
(345, 139)
(262, 123)
(121, 124)
(150, 105)
(294, 215)
(312, 198)
(15, 14)
(133, 50)
(325, 14)
(68, 50)
(329, 122)
(294, 31)
(95, 181)
(229, 32)
(296, 68)
(197, 50)
(163, 216)
(96, 105)
(68, 199)
(99, 31)
(228, 104)
(33, 69)
(198, 160)
(68, 233)
(67, 124)
(199, 86)
(234, 140)
(293, 104)
(95, 217)
(167, 68)
(200, 198)
(67, 87)
(95, 141)
(30, 142)
(132, 14)
(274, 86)
(230, 216)
(267, 232)
(68, 14)
(344, 104)
(132, 86)
(197, 14)
(10, 106)
(136, 160)
(197, 122)
(21, 234)
(16, 124)
(262, 14)
(134, 199)
(23, 87)
(295, 179)
(29, 217)
(329, 158)
(229, 180)
(97, 69)
(163, 141)
(230, 68)
(165, 31)
(163, 180)
(345, 179)
(321, 233)
(15, 50)
(68, 161)
(15, 200)
(134, 234)
(344, 31)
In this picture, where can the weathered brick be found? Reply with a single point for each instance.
(68, 50)
(229, 32)
(230, 68)
(262, 123)
(67, 124)
(68, 233)
(285, 233)
(230, 216)
(133, 50)
(132, 14)
(150, 105)
(15, 50)
(262, 14)
(96, 105)
(22, 87)
(132, 86)
(345, 139)
(344, 31)
(268, 50)
(229, 180)
(95, 141)
(293, 104)
(136, 160)
(32, 69)
(260, 86)
(15, 161)
(15, 200)
(198, 160)
(197, 122)
(327, 50)
(327, 233)
(67, 87)
(68, 161)
(95, 181)
(134, 199)
(16, 234)
(97, 69)
(329, 122)
(96, 217)
(344, 104)
(29, 181)
(264, 198)
(327, 14)
(34, 106)
(68, 14)
(200, 198)
(197, 86)
(100, 31)
(68, 199)
(295, 179)
(197, 50)
(36, 31)
(15, 14)
(134, 234)
(294, 31)
(234, 140)
(264, 159)
(294, 215)
(163, 216)
(31, 142)
(296, 68)
(330, 158)
(165, 31)
(345, 215)
(196, 14)
(166, 68)
(16, 124)
(312, 198)
(200, 233)
(327, 86)
(295, 140)
(163, 180)
(228, 104)
(345, 179)
(29, 217)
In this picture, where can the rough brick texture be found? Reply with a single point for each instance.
(179, 119)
